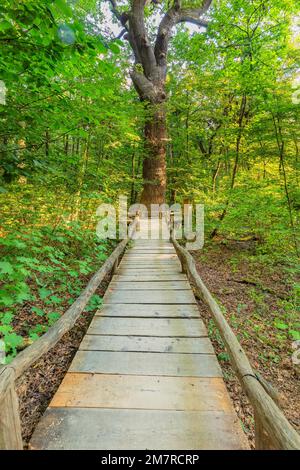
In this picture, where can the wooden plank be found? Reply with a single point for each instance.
(174, 261)
(123, 284)
(142, 269)
(106, 429)
(148, 250)
(139, 363)
(179, 327)
(151, 256)
(146, 344)
(174, 266)
(147, 297)
(151, 311)
(149, 276)
(142, 392)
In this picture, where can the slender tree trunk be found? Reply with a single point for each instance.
(154, 164)
(215, 176)
(242, 113)
(47, 143)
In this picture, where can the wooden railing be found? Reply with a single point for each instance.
(10, 426)
(272, 429)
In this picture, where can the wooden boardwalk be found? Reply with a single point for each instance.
(145, 375)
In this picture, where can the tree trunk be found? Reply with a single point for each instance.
(149, 79)
(154, 164)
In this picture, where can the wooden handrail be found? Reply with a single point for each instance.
(272, 429)
(10, 428)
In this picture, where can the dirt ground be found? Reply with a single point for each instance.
(252, 296)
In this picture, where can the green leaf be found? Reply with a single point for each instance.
(38, 311)
(43, 293)
(64, 7)
(6, 267)
(114, 48)
(52, 318)
(280, 325)
(6, 299)
(294, 334)
(4, 25)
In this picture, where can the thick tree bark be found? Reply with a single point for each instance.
(154, 167)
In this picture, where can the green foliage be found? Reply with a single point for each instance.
(233, 162)
(42, 281)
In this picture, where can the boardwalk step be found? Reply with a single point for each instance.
(152, 311)
(142, 392)
(148, 297)
(146, 344)
(98, 428)
(181, 327)
(149, 285)
(132, 363)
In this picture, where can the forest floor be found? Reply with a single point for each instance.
(39, 383)
(258, 302)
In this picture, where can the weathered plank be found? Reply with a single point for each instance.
(171, 262)
(92, 428)
(142, 269)
(142, 392)
(123, 284)
(132, 363)
(180, 327)
(146, 344)
(148, 297)
(149, 276)
(148, 250)
(151, 256)
(151, 311)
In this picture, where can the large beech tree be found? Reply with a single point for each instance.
(149, 77)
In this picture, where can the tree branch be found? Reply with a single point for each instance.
(176, 15)
(138, 36)
(143, 86)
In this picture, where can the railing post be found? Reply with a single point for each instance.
(262, 439)
(10, 426)
(115, 266)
